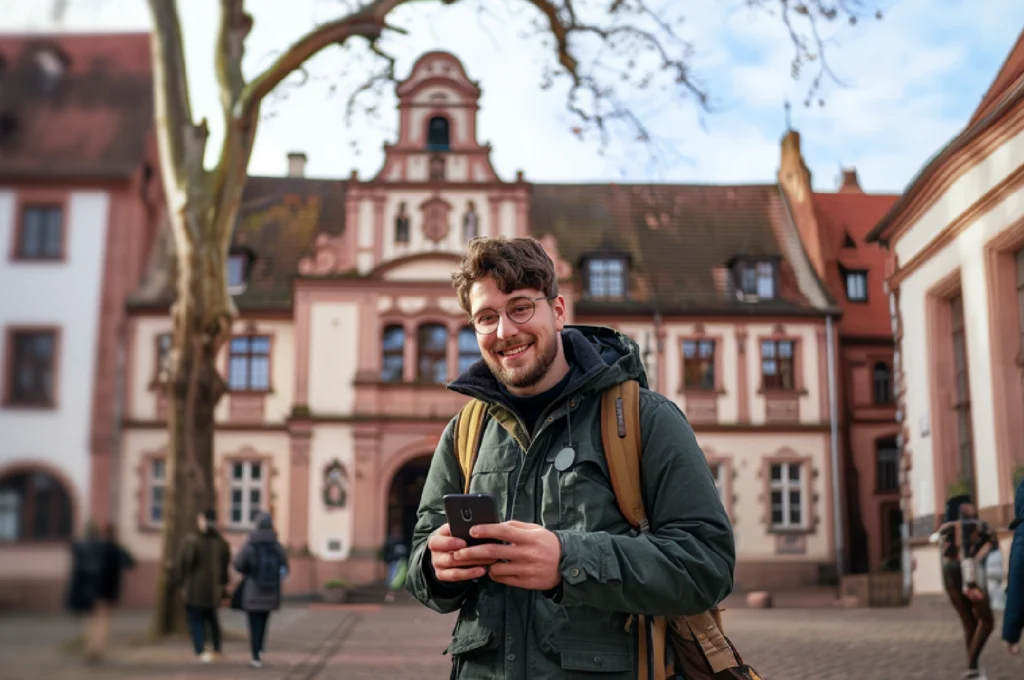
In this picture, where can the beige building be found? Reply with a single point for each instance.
(349, 324)
(956, 240)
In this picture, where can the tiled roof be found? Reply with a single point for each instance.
(279, 218)
(1010, 72)
(680, 239)
(854, 214)
(92, 120)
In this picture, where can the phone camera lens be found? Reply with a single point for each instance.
(467, 514)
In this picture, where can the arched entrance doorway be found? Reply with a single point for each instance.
(404, 497)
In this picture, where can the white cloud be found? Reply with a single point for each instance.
(912, 81)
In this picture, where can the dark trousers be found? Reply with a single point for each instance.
(257, 631)
(975, 617)
(198, 618)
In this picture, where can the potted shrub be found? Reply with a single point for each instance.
(335, 591)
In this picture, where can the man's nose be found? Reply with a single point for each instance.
(506, 329)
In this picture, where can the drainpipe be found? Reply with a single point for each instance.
(906, 564)
(837, 503)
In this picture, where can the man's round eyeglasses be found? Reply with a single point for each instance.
(518, 310)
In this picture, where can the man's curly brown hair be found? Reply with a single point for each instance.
(513, 264)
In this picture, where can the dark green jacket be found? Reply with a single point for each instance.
(202, 568)
(685, 566)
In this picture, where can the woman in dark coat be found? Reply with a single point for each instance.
(1013, 617)
(263, 563)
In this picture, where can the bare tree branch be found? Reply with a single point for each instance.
(235, 24)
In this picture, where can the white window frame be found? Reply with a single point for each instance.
(245, 484)
(785, 485)
(609, 275)
(764, 285)
(156, 482)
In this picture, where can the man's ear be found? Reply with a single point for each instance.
(558, 305)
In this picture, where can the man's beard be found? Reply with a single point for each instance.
(529, 375)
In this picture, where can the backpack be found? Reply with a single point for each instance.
(267, 574)
(699, 647)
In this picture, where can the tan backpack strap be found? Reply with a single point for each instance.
(469, 431)
(707, 630)
(620, 436)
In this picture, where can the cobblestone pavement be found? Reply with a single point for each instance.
(405, 642)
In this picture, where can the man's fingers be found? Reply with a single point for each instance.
(448, 561)
(490, 552)
(512, 532)
(455, 575)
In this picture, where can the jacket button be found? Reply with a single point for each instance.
(575, 572)
(597, 660)
(511, 657)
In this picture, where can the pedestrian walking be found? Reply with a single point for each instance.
(965, 543)
(396, 556)
(1013, 616)
(83, 589)
(560, 591)
(114, 560)
(263, 563)
(202, 575)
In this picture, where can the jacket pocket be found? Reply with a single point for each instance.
(472, 649)
(493, 474)
(587, 498)
(593, 660)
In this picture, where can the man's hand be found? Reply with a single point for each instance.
(528, 559)
(442, 547)
(1012, 648)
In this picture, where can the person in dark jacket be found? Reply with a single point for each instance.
(1013, 616)
(113, 560)
(202, 573)
(263, 563)
(553, 598)
(395, 553)
(83, 590)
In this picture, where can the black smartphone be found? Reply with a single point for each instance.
(465, 510)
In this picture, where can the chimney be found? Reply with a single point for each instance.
(296, 164)
(850, 183)
(795, 180)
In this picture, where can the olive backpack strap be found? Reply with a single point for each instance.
(469, 430)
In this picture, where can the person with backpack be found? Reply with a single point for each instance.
(263, 564)
(1013, 615)
(613, 537)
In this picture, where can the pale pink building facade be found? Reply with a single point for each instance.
(349, 324)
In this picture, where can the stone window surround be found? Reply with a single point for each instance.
(799, 386)
(410, 356)
(39, 197)
(698, 335)
(8, 368)
(809, 496)
(15, 467)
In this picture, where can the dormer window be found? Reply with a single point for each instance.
(757, 279)
(857, 286)
(438, 134)
(238, 272)
(606, 278)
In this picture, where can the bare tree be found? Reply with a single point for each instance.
(204, 202)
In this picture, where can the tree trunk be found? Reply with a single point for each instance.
(202, 316)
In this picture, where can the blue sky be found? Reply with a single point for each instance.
(911, 82)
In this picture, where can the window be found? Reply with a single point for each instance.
(765, 280)
(236, 273)
(883, 384)
(606, 278)
(249, 364)
(164, 343)
(962, 393)
(392, 365)
(757, 279)
(778, 370)
(469, 350)
(857, 286)
(433, 353)
(33, 357)
(41, 233)
(787, 495)
(157, 488)
(34, 506)
(887, 465)
(246, 494)
(438, 134)
(699, 364)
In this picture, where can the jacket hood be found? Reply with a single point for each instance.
(1018, 506)
(264, 531)
(601, 357)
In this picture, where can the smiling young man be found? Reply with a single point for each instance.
(554, 598)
